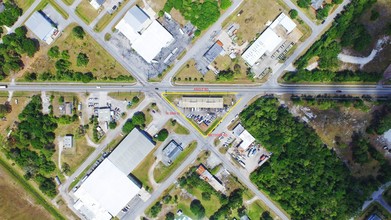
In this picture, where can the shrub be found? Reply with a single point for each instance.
(82, 59)
(293, 13)
(135, 99)
(54, 52)
(78, 32)
(197, 208)
(224, 4)
(112, 125)
(162, 135)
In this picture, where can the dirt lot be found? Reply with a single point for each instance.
(15, 203)
(100, 62)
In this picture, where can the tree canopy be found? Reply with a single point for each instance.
(10, 14)
(303, 175)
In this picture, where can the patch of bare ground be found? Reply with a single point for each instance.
(15, 203)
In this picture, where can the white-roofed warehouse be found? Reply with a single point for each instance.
(147, 36)
(41, 27)
(105, 192)
(109, 188)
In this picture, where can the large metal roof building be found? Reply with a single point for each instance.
(41, 27)
(105, 192)
(131, 151)
(147, 36)
(201, 102)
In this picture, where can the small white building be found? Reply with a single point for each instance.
(68, 141)
(104, 114)
(41, 27)
(96, 4)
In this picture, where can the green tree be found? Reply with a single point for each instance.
(224, 4)
(170, 216)
(374, 15)
(61, 99)
(197, 208)
(293, 13)
(11, 13)
(304, 3)
(78, 32)
(162, 135)
(128, 127)
(266, 216)
(337, 1)
(135, 99)
(206, 196)
(62, 64)
(322, 13)
(138, 119)
(112, 125)
(66, 168)
(156, 209)
(54, 52)
(82, 59)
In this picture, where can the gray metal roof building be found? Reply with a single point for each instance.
(213, 51)
(68, 141)
(238, 129)
(316, 4)
(131, 151)
(41, 27)
(201, 102)
(136, 18)
(171, 151)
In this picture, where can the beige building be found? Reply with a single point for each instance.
(201, 102)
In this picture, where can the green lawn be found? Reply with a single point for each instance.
(86, 12)
(24, 4)
(141, 171)
(68, 2)
(161, 171)
(255, 210)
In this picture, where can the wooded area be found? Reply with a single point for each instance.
(201, 14)
(346, 31)
(12, 48)
(303, 175)
(31, 145)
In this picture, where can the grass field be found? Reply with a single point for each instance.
(43, 4)
(161, 171)
(141, 171)
(128, 96)
(177, 128)
(105, 20)
(31, 190)
(86, 12)
(68, 2)
(24, 4)
(101, 64)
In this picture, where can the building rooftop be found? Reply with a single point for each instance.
(285, 21)
(97, 3)
(104, 114)
(41, 27)
(105, 192)
(200, 102)
(247, 140)
(147, 36)
(208, 177)
(131, 151)
(213, 51)
(68, 141)
(317, 4)
(238, 129)
(171, 151)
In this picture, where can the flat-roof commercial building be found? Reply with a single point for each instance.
(68, 141)
(247, 140)
(105, 192)
(42, 27)
(201, 102)
(146, 35)
(214, 51)
(104, 114)
(269, 40)
(131, 151)
(109, 188)
(170, 152)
